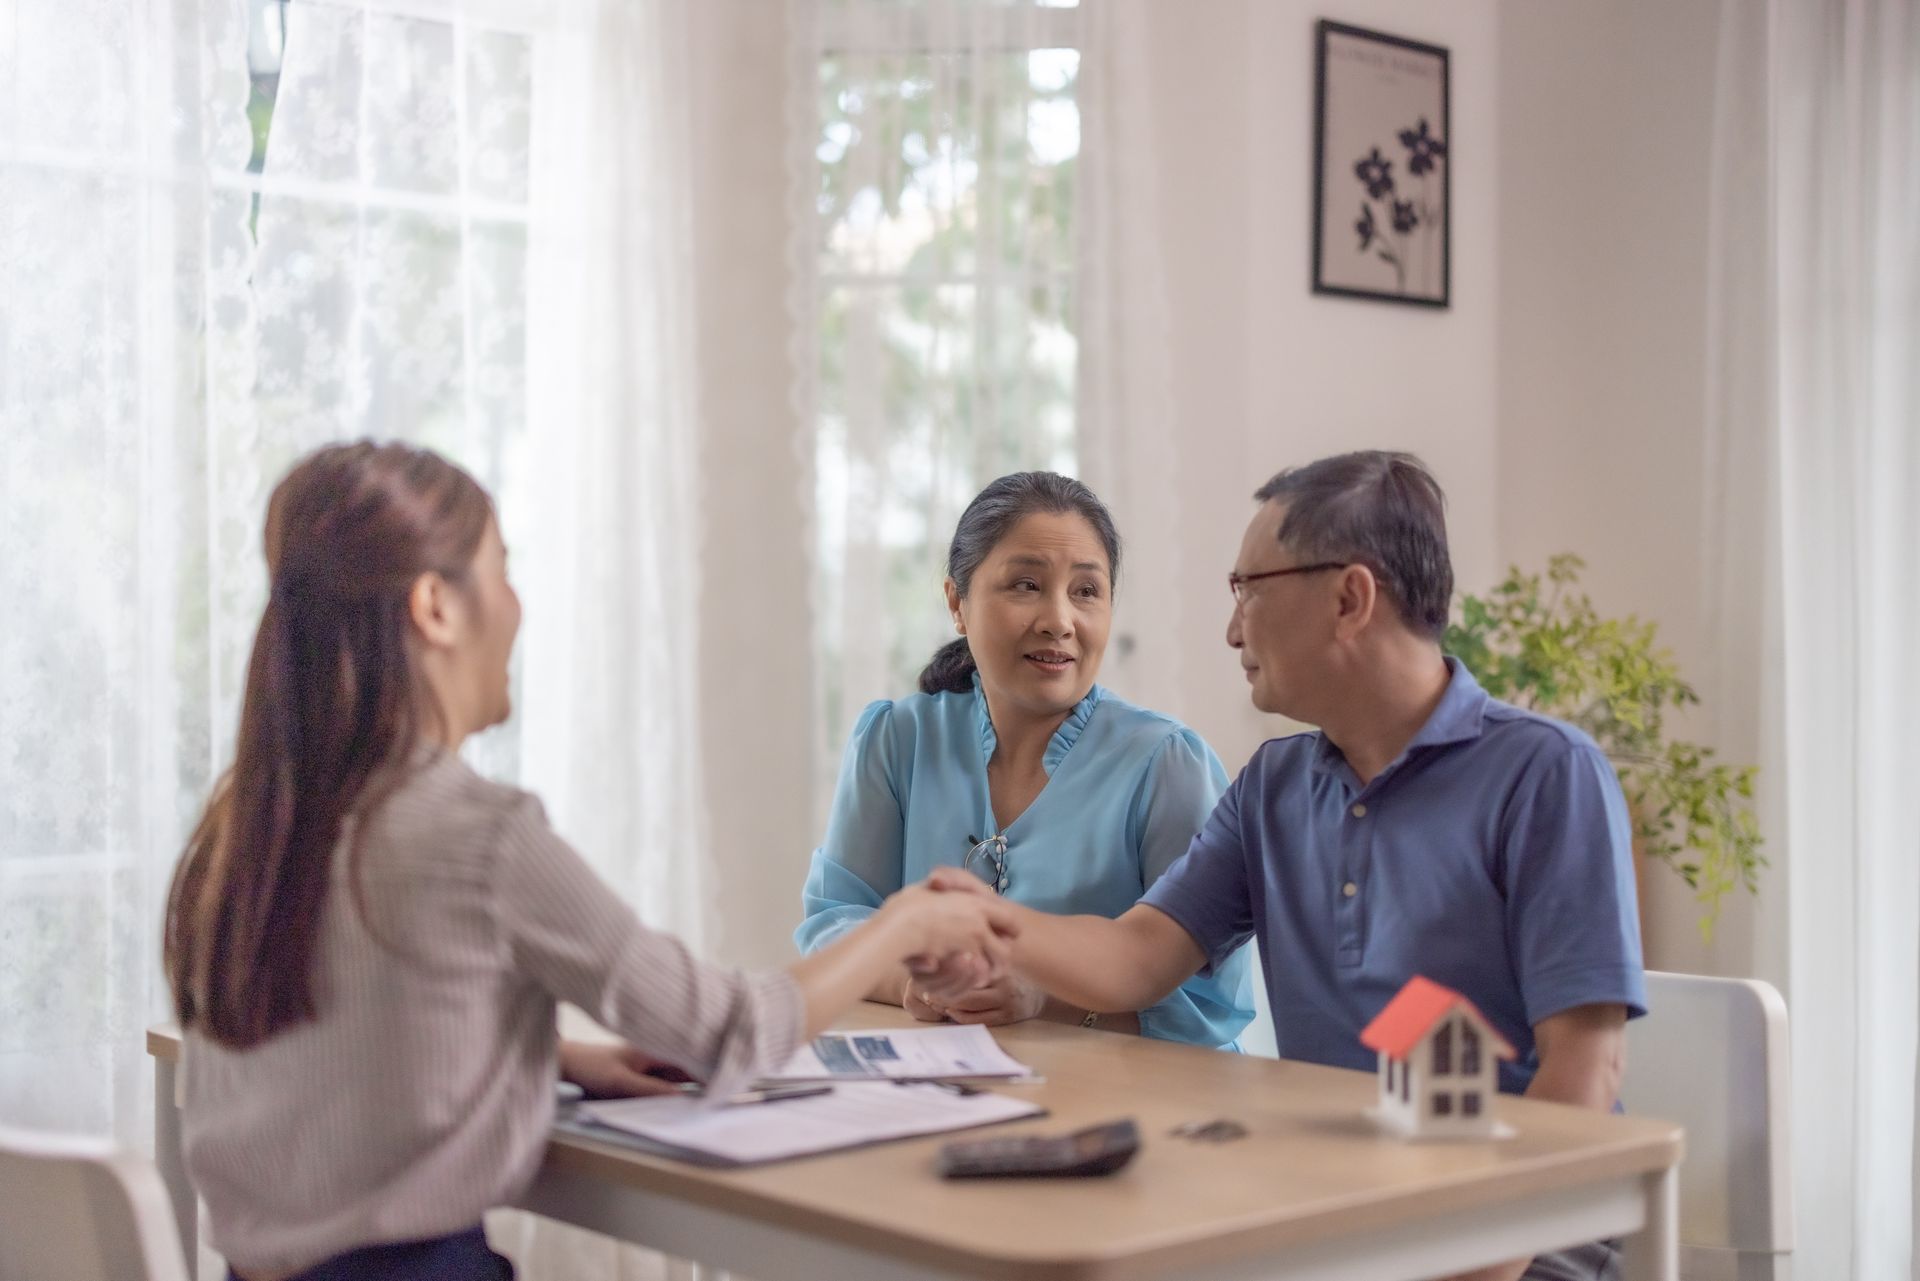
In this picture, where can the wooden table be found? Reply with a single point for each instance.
(1314, 1191)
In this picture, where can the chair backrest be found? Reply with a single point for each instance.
(81, 1210)
(1712, 1055)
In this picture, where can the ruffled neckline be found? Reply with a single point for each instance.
(1063, 738)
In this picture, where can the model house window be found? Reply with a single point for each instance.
(1406, 1082)
(1469, 1050)
(1443, 1051)
(1442, 1103)
(1470, 1103)
(940, 277)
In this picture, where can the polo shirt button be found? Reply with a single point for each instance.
(1349, 889)
(1358, 811)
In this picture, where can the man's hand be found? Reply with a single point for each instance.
(615, 1071)
(963, 942)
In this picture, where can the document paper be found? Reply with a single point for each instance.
(901, 1054)
(848, 1116)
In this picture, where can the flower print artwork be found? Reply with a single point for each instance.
(1382, 159)
(1405, 217)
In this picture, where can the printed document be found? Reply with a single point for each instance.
(901, 1054)
(846, 1116)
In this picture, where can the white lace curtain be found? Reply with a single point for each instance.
(416, 253)
(115, 513)
(1814, 416)
(936, 156)
(1846, 155)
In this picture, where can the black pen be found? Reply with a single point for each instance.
(777, 1094)
(951, 1087)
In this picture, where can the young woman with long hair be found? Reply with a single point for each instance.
(367, 941)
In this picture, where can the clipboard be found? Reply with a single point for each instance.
(849, 1116)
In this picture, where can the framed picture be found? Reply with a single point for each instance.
(1382, 153)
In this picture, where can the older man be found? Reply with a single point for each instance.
(1424, 828)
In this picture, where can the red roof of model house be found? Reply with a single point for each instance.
(1411, 1015)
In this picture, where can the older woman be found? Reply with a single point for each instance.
(1013, 762)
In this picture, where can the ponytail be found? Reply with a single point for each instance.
(333, 699)
(950, 671)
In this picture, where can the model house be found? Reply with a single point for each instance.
(1437, 1054)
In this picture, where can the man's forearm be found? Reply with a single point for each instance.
(1587, 1084)
(1582, 1057)
(1092, 963)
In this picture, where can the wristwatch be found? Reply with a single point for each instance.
(1092, 1020)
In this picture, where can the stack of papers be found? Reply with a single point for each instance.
(902, 1054)
(846, 1116)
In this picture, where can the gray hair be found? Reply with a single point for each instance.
(1375, 508)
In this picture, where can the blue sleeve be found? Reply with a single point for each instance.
(1184, 784)
(859, 862)
(1572, 922)
(1207, 891)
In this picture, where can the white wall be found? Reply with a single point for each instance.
(752, 584)
(1265, 372)
(1605, 120)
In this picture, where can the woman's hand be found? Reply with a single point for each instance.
(921, 1004)
(958, 942)
(1008, 999)
(616, 1071)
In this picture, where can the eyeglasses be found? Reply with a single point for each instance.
(992, 856)
(1237, 583)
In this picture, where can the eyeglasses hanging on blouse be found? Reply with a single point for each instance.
(988, 860)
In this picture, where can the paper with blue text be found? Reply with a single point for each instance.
(941, 1053)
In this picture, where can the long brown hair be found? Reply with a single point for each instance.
(333, 698)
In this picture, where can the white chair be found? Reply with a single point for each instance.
(1712, 1055)
(75, 1209)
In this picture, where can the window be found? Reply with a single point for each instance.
(382, 221)
(1442, 1103)
(1443, 1050)
(344, 257)
(939, 276)
(1470, 1103)
(1469, 1050)
(1406, 1082)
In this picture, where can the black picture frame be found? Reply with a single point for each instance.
(1377, 96)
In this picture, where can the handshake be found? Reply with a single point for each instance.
(959, 941)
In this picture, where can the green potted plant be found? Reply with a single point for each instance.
(1536, 641)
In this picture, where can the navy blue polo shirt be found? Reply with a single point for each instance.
(1492, 855)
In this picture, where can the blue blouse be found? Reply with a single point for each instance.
(1126, 791)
